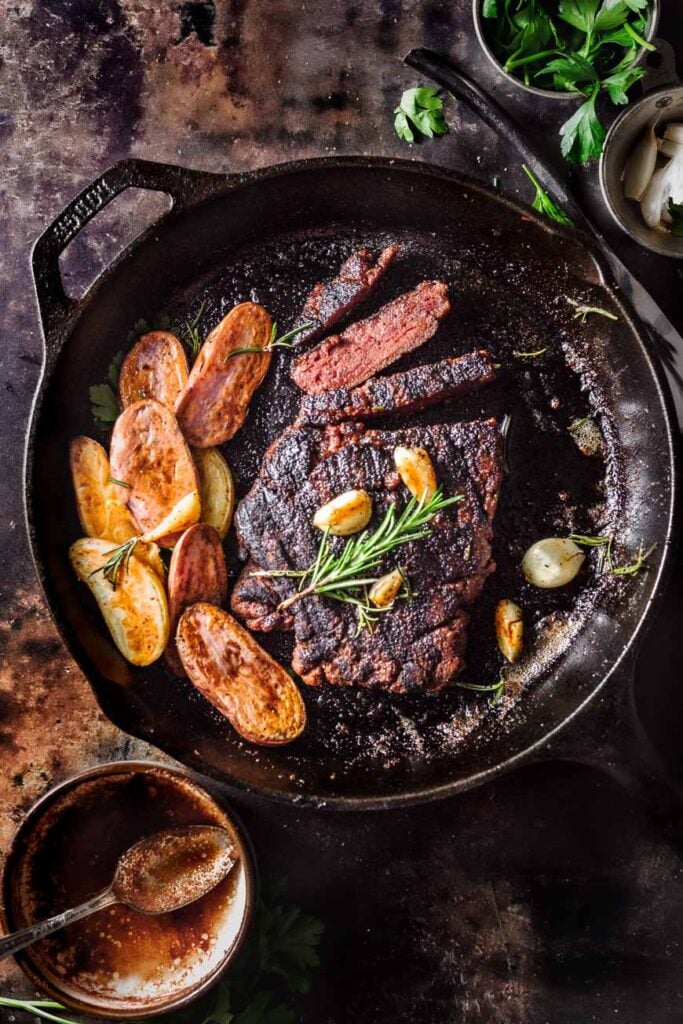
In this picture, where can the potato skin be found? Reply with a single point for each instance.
(136, 612)
(155, 367)
(238, 677)
(215, 400)
(149, 453)
(197, 573)
(216, 487)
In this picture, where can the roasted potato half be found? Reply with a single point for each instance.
(101, 510)
(197, 573)
(155, 367)
(150, 455)
(136, 611)
(238, 677)
(215, 401)
(216, 489)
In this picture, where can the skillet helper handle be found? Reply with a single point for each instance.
(609, 737)
(447, 76)
(54, 304)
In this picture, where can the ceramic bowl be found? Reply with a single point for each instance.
(117, 963)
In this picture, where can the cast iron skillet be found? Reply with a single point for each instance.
(269, 234)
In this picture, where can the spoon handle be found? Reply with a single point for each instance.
(18, 940)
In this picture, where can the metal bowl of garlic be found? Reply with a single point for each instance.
(629, 162)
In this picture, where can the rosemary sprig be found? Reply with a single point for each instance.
(343, 576)
(605, 559)
(637, 564)
(583, 312)
(495, 689)
(117, 563)
(577, 424)
(190, 332)
(273, 342)
(529, 355)
(120, 483)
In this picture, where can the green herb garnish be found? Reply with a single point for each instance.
(583, 312)
(120, 483)
(190, 333)
(495, 689)
(345, 576)
(117, 562)
(273, 342)
(605, 547)
(637, 564)
(420, 110)
(104, 401)
(543, 203)
(587, 47)
(529, 355)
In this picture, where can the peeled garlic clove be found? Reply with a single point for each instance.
(653, 201)
(552, 562)
(346, 514)
(667, 147)
(509, 629)
(674, 132)
(386, 589)
(416, 470)
(640, 166)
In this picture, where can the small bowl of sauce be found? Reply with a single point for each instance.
(120, 963)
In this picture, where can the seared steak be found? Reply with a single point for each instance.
(401, 392)
(330, 301)
(366, 347)
(418, 644)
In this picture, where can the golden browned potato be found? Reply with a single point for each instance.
(135, 611)
(216, 488)
(238, 677)
(197, 573)
(155, 367)
(214, 403)
(101, 512)
(150, 455)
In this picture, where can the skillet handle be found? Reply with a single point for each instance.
(609, 736)
(446, 75)
(54, 304)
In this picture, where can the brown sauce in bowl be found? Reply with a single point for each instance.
(118, 957)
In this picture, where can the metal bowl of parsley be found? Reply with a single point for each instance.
(569, 50)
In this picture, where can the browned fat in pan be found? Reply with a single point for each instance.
(510, 275)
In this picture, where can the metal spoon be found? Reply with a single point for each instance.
(159, 874)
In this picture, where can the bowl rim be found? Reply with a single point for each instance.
(648, 243)
(655, 16)
(24, 960)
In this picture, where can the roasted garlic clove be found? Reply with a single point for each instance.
(346, 514)
(416, 470)
(552, 562)
(509, 629)
(386, 589)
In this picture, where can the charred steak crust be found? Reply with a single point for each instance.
(368, 346)
(419, 644)
(330, 301)
(408, 391)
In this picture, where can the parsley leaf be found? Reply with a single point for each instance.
(421, 110)
(583, 135)
(490, 8)
(104, 403)
(544, 204)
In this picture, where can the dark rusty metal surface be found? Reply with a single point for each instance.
(545, 897)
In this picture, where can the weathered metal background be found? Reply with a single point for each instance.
(546, 897)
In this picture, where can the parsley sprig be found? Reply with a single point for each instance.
(104, 403)
(421, 111)
(587, 47)
(544, 204)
